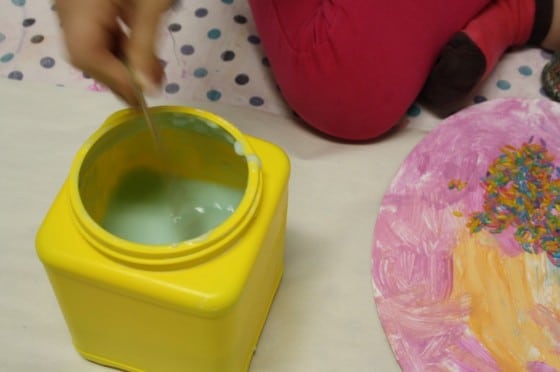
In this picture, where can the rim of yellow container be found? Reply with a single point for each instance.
(175, 254)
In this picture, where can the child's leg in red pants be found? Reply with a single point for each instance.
(351, 68)
(472, 54)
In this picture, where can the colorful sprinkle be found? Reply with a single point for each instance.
(456, 184)
(551, 78)
(522, 191)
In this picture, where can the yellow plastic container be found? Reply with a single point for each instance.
(193, 305)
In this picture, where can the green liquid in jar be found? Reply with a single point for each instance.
(155, 209)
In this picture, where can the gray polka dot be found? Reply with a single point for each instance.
(36, 39)
(228, 55)
(242, 79)
(174, 27)
(254, 39)
(47, 62)
(28, 22)
(256, 101)
(201, 12)
(15, 75)
(172, 88)
(187, 49)
(239, 18)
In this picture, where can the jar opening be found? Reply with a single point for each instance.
(180, 190)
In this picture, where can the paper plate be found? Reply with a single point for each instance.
(465, 253)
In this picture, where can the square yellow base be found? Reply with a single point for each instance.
(204, 317)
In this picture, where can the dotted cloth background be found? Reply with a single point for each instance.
(211, 51)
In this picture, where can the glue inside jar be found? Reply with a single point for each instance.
(174, 200)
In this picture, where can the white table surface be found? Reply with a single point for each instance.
(323, 317)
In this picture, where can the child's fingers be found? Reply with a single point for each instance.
(98, 57)
(93, 41)
(112, 72)
(144, 27)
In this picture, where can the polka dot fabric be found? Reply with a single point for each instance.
(212, 52)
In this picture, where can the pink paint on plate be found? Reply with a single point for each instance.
(449, 299)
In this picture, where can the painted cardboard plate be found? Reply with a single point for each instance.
(466, 245)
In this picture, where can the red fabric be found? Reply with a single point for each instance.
(351, 68)
(502, 24)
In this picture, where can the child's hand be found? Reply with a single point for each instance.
(97, 45)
